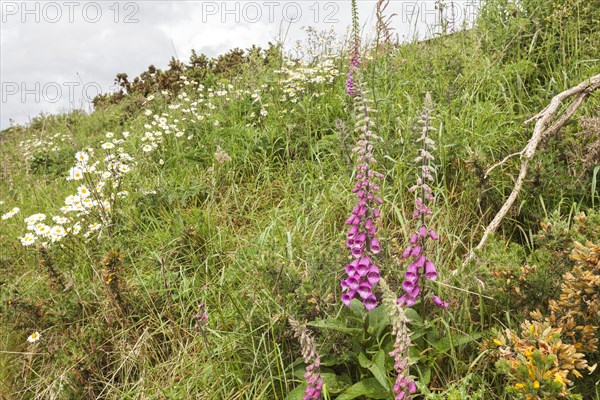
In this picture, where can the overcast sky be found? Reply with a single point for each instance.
(57, 55)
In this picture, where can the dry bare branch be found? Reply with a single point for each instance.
(547, 124)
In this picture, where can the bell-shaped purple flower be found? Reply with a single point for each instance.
(416, 251)
(375, 247)
(365, 289)
(412, 273)
(430, 270)
(347, 297)
(408, 285)
(433, 235)
(352, 282)
(373, 277)
(414, 239)
(370, 302)
(439, 302)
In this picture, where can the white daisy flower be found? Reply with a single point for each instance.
(147, 148)
(34, 337)
(75, 174)
(83, 191)
(108, 145)
(60, 220)
(82, 156)
(28, 239)
(11, 213)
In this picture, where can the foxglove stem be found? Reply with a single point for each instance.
(404, 385)
(362, 274)
(314, 381)
(422, 268)
(354, 68)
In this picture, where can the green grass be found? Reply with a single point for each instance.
(261, 238)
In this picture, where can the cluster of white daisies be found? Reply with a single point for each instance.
(88, 210)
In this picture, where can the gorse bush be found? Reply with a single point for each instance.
(243, 227)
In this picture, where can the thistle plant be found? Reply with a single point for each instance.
(404, 386)
(362, 272)
(313, 377)
(422, 267)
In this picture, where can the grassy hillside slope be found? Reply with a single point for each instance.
(226, 190)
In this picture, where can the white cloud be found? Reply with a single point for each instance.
(71, 53)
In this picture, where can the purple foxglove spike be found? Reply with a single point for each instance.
(375, 247)
(365, 260)
(360, 176)
(356, 209)
(430, 271)
(362, 211)
(419, 202)
(366, 182)
(416, 213)
(350, 220)
(369, 224)
(378, 200)
(433, 235)
(363, 202)
(401, 396)
(350, 243)
(426, 188)
(376, 213)
(370, 302)
(373, 277)
(416, 251)
(352, 283)
(407, 252)
(374, 187)
(414, 239)
(439, 302)
(422, 231)
(370, 196)
(355, 189)
(364, 290)
(361, 193)
(348, 296)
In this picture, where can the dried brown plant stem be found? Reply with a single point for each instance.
(547, 124)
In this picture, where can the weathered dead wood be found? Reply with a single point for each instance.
(547, 124)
